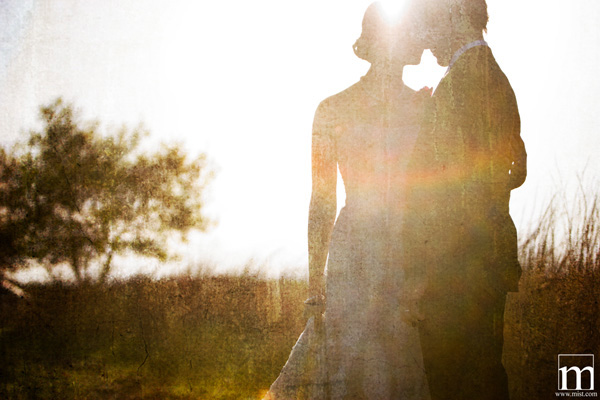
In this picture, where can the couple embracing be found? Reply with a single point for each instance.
(419, 260)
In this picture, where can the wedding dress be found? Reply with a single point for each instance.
(363, 348)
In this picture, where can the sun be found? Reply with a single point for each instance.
(393, 9)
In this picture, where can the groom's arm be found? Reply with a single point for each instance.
(518, 169)
(423, 200)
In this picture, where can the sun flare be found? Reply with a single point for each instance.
(393, 9)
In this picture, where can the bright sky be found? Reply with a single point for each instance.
(241, 80)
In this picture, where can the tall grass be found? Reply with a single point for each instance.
(556, 310)
(182, 338)
(227, 337)
(566, 237)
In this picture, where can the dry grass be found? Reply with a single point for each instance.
(556, 310)
(181, 338)
(227, 337)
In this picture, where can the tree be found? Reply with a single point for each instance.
(77, 197)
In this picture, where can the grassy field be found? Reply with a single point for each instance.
(178, 338)
(227, 337)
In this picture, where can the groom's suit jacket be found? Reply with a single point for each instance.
(467, 159)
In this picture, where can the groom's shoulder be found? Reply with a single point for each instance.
(476, 71)
(483, 64)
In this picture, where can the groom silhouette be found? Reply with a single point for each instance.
(462, 240)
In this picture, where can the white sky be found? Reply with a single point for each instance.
(241, 80)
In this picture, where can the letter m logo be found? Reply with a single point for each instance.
(575, 372)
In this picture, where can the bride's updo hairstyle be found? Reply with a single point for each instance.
(383, 28)
(373, 26)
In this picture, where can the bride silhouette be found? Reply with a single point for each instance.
(365, 345)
